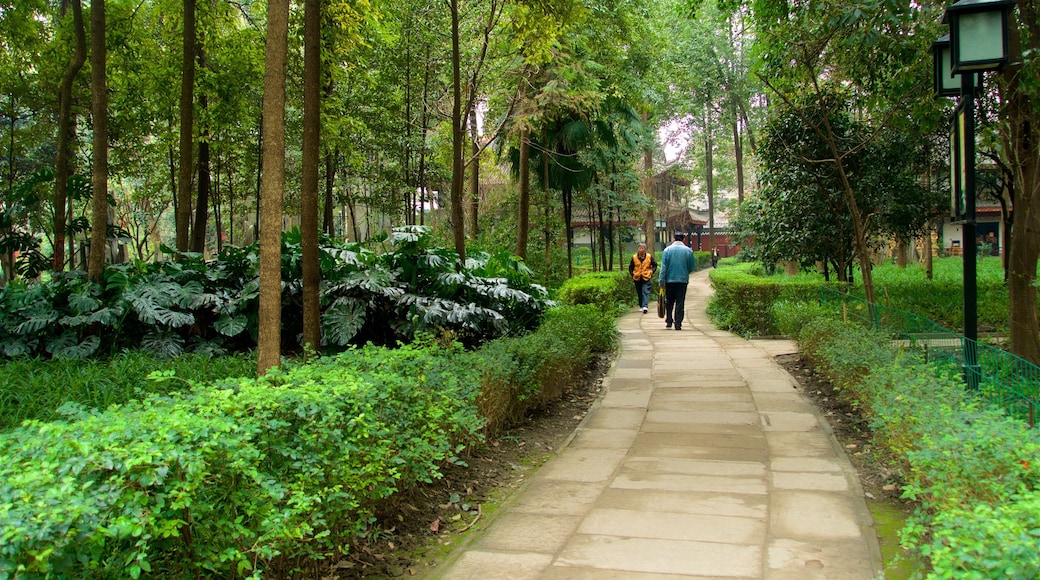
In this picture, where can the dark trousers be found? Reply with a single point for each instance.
(675, 298)
(643, 292)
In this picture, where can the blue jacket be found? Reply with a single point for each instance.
(677, 261)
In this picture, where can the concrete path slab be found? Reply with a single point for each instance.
(701, 460)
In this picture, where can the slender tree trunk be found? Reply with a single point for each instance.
(649, 228)
(309, 189)
(259, 176)
(599, 234)
(567, 214)
(183, 211)
(328, 221)
(218, 224)
(198, 237)
(547, 212)
(66, 134)
(474, 176)
(1022, 142)
(709, 178)
(524, 202)
(458, 136)
(423, 127)
(99, 110)
(928, 252)
(272, 187)
(738, 154)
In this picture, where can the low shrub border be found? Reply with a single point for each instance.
(743, 298)
(972, 470)
(244, 476)
(37, 388)
(609, 291)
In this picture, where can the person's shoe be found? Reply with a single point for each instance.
(678, 328)
(644, 310)
(667, 324)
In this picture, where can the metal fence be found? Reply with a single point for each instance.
(1000, 378)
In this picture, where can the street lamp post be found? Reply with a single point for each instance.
(977, 42)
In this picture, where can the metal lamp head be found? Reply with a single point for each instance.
(978, 34)
(945, 83)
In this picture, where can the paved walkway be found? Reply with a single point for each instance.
(701, 460)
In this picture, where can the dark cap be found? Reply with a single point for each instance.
(680, 235)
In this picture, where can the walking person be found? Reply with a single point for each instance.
(677, 261)
(714, 257)
(642, 268)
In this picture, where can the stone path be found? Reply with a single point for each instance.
(701, 460)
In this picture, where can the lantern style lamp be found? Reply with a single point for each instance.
(978, 34)
(946, 83)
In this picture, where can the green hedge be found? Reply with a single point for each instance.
(743, 297)
(609, 291)
(974, 471)
(246, 476)
(528, 372)
(37, 388)
(226, 478)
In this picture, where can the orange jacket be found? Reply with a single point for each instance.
(642, 269)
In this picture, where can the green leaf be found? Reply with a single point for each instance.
(231, 325)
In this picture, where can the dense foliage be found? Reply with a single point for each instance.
(227, 477)
(743, 296)
(972, 469)
(744, 293)
(801, 212)
(243, 477)
(39, 388)
(193, 305)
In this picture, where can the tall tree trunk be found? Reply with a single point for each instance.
(599, 235)
(66, 134)
(709, 178)
(218, 224)
(738, 154)
(524, 201)
(99, 111)
(458, 136)
(546, 206)
(198, 234)
(183, 211)
(309, 190)
(1022, 142)
(928, 251)
(7, 257)
(424, 122)
(328, 221)
(649, 229)
(474, 175)
(272, 187)
(567, 215)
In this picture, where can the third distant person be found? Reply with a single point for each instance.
(677, 261)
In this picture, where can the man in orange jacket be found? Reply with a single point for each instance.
(642, 268)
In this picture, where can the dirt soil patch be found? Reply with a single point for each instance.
(418, 529)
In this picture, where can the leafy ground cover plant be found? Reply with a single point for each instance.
(229, 479)
(245, 477)
(38, 389)
(194, 305)
(521, 374)
(941, 299)
(743, 297)
(610, 291)
(970, 467)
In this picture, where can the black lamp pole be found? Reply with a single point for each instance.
(968, 243)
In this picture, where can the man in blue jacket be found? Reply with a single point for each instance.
(677, 261)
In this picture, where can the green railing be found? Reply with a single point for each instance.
(994, 375)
